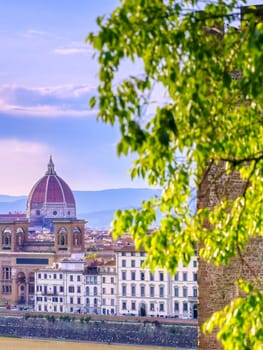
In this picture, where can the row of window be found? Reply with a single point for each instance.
(6, 273)
(160, 307)
(91, 279)
(142, 276)
(55, 276)
(112, 291)
(90, 301)
(72, 300)
(132, 254)
(177, 308)
(6, 289)
(124, 263)
(53, 299)
(105, 280)
(104, 302)
(142, 290)
(55, 308)
(108, 312)
(133, 263)
(154, 307)
(91, 291)
(184, 276)
(60, 289)
(124, 290)
(185, 292)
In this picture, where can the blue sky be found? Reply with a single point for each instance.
(47, 75)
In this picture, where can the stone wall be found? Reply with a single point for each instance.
(144, 333)
(217, 285)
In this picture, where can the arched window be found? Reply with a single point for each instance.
(20, 234)
(76, 230)
(76, 236)
(19, 230)
(62, 240)
(87, 291)
(6, 237)
(62, 236)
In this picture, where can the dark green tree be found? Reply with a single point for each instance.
(212, 112)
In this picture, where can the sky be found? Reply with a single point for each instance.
(47, 75)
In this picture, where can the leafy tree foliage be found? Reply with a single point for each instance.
(212, 113)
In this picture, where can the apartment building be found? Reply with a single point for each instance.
(145, 293)
(61, 288)
(108, 288)
(92, 280)
(117, 287)
(184, 290)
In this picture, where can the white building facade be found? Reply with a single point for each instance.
(108, 288)
(61, 288)
(92, 291)
(158, 294)
(185, 291)
(118, 287)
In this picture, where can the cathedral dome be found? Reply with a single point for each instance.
(50, 198)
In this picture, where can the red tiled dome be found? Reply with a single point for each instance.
(51, 197)
(51, 188)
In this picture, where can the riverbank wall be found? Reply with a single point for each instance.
(109, 332)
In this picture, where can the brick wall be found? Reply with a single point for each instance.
(217, 285)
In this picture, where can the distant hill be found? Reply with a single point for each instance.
(12, 204)
(97, 207)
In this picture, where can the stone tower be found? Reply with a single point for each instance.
(217, 284)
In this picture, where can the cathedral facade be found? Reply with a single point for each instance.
(50, 204)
